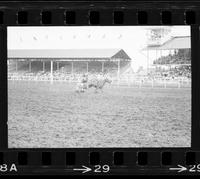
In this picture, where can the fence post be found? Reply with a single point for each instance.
(165, 85)
(152, 83)
(140, 84)
(179, 84)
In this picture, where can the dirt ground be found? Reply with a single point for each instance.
(44, 115)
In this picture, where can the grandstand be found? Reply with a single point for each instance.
(64, 64)
(70, 64)
(175, 66)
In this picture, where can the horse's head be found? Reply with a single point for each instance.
(108, 80)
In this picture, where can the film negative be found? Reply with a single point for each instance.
(99, 88)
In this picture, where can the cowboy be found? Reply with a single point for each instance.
(84, 78)
(84, 82)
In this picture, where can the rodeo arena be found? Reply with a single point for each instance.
(60, 98)
(71, 65)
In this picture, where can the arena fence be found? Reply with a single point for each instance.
(122, 81)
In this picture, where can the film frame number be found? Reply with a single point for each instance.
(96, 169)
(190, 168)
(6, 168)
(194, 168)
(101, 168)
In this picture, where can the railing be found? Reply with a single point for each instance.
(154, 83)
(130, 82)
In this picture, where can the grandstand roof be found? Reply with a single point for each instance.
(181, 42)
(69, 54)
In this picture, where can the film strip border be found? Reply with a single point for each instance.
(98, 17)
(106, 13)
(100, 13)
(117, 161)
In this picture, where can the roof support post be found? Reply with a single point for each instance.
(102, 69)
(16, 65)
(57, 65)
(72, 70)
(29, 66)
(156, 54)
(43, 66)
(87, 66)
(51, 71)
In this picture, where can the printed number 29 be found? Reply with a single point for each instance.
(99, 168)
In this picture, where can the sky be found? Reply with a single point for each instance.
(130, 38)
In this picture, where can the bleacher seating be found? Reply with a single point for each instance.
(182, 56)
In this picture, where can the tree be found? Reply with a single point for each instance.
(155, 35)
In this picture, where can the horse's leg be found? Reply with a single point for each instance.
(82, 90)
(77, 90)
(96, 90)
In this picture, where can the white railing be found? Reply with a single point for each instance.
(140, 83)
(131, 82)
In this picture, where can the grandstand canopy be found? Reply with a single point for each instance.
(69, 54)
(181, 42)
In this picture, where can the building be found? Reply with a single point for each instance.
(57, 56)
(167, 48)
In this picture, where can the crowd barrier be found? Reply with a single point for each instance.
(122, 81)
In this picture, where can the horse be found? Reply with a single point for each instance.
(98, 84)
